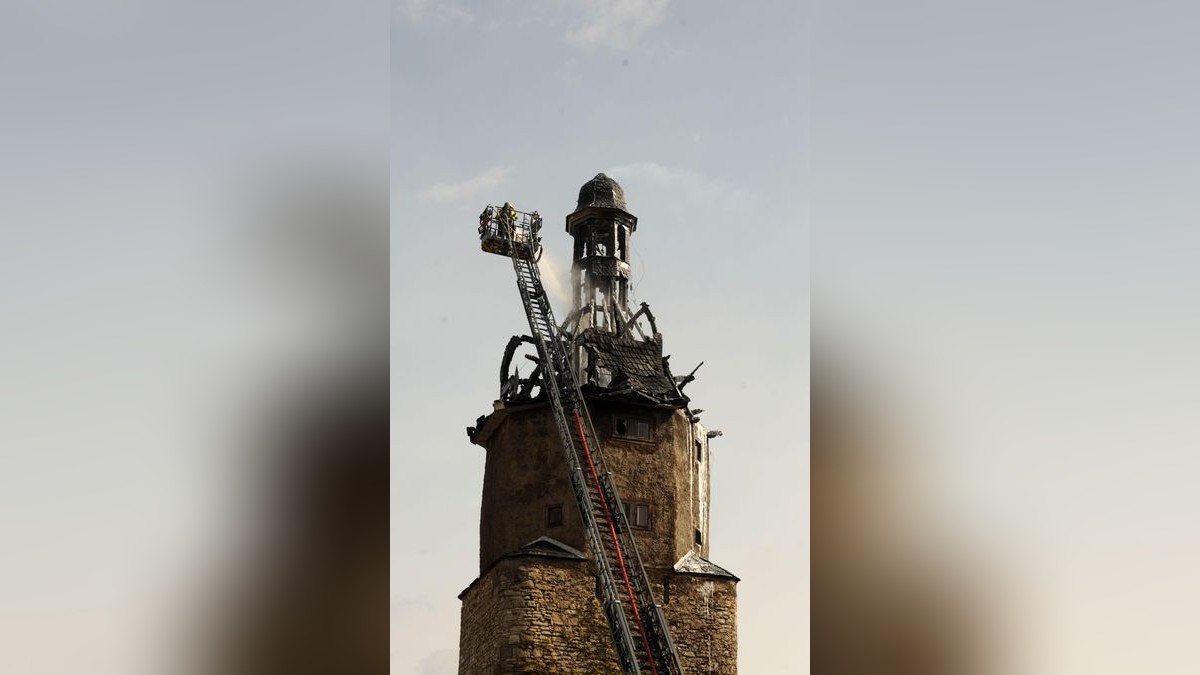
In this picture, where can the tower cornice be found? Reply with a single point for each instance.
(579, 215)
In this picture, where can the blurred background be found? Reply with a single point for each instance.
(193, 452)
(1004, 284)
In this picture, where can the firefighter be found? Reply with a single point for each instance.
(535, 238)
(485, 220)
(508, 220)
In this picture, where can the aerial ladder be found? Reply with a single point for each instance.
(639, 628)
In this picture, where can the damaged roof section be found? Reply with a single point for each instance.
(629, 368)
(624, 366)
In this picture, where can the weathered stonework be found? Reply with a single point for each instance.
(531, 613)
(702, 613)
(526, 473)
(535, 614)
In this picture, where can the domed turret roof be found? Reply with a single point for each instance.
(601, 191)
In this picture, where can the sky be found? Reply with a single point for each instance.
(699, 110)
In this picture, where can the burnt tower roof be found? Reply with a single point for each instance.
(601, 191)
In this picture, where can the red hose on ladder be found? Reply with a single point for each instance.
(616, 544)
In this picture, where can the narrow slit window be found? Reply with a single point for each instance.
(554, 515)
(699, 451)
(641, 515)
(699, 538)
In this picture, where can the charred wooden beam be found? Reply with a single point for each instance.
(682, 382)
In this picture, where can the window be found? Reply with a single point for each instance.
(638, 514)
(554, 515)
(699, 538)
(699, 451)
(632, 427)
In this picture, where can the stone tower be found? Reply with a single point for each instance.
(534, 606)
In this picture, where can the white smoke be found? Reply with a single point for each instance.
(555, 280)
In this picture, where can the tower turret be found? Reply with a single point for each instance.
(602, 228)
(618, 352)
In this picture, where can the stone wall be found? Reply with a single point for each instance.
(533, 614)
(536, 614)
(525, 472)
(652, 472)
(702, 613)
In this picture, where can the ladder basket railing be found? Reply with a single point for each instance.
(506, 231)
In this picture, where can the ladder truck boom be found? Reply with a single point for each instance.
(639, 629)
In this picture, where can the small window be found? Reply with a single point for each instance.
(699, 451)
(554, 515)
(632, 427)
(638, 514)
(699, 538)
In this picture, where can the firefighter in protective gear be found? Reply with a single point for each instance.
(508, 220)
(535, 227)
(485, 219)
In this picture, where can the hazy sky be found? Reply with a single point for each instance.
(699, 110)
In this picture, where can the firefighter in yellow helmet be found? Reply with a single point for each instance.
(508, 220)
